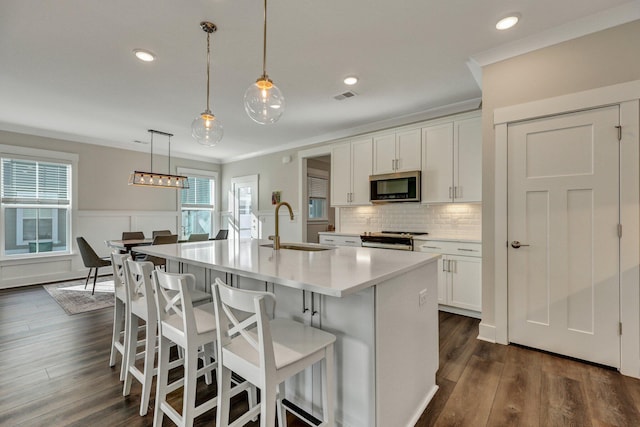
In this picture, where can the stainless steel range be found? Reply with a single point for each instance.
(398, 240)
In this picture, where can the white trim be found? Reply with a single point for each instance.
(627, 95)
(487, 333)
(303, 155)
(592, 98)
(609, 18)
(423, 406)
(38, 153)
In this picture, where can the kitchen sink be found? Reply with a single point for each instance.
(300, 247)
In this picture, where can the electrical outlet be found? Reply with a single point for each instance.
(422, 297)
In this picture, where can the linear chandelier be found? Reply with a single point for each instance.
(159, 180)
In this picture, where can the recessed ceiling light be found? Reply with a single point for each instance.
(508, 21)
(144, 55)
(351, 80)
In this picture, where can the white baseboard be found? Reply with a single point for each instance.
(460, 311)
(423, 406)
(487, 333)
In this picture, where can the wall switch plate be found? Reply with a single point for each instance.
(422, 297)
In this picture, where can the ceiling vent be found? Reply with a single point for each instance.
(347, 94)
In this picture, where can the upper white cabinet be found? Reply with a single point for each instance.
(452, 161)
(350, 170)
(397, 152)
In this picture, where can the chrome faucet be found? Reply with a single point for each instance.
(276, 238)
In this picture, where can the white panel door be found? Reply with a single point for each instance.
(437, 163)
(563, 190)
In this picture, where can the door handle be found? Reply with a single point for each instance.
(515, 244)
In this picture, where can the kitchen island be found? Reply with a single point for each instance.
(380, 304)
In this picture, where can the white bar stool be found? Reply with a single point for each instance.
(266, 353)
(190, 328)
(120, 319)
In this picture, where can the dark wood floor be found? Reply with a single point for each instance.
(54, 372)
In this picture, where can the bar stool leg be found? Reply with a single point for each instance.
(190, 377)
(268, 406)
(132, 347)
(149, 355)
(162, 380)
(327, 387)
(224, 398)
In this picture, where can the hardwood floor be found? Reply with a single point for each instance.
(54, 372)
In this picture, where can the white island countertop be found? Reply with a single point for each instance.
(337, 272)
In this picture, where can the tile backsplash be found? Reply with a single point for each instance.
(446, 219)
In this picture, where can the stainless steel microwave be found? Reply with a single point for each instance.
(395, 187)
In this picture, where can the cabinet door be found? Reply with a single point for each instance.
(468, 155)
(384, 154)
(361, 158)
(408, 150)
(443, 280)
(465, 286)
(340, 174)
(437, 163)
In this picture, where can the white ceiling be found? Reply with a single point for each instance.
(67, 68)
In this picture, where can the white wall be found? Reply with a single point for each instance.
(105, 207)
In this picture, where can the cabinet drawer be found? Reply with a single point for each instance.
(448, 247)
(338, 240)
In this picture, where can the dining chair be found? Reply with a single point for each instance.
(160, 240)
(120, 318)
(265, 353)
(91, 260)
(198, 237)
(160, 233)
(132, 235)
(222, 235)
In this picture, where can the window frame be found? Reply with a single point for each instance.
(215, 212)
(46, 156)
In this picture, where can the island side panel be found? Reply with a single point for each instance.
(406, 346)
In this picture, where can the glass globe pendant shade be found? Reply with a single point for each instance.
(206, 129)
(264, 102)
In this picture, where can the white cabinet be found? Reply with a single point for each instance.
(350, 170)
(340, 240)
(459, 272)
(452, 161)
(397, 152)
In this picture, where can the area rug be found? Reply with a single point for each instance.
(74, 298)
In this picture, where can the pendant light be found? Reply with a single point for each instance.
(206, 128)
(160, 180)
(263, 101)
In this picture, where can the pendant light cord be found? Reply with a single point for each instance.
(264, 45)
(208, 68)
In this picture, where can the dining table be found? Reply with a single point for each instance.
(126, 245)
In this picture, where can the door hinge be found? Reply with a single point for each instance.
(620, 328)
(620, 231)
(619, 132)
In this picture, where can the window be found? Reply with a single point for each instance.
(197, 205)
(36, 206)
(317, 190)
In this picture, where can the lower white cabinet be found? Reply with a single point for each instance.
(339, 239)
(459, 272)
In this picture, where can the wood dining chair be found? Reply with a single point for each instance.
(132, 235)
(222, 235)
(198, 237)
(160, 233)
(160, 240)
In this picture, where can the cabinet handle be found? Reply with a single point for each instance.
(449, 268)
(429, 247)
(444, 265)
(349, 241)
(467, 250)
(304, 301)
(329, 240)
(393, 164)
(450, 196)
(313, 304)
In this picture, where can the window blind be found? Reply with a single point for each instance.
(198, 194)
(317, 187)
(34, 182)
